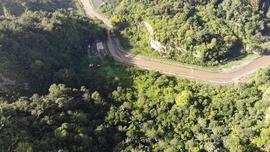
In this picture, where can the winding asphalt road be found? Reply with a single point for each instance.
(174, 69)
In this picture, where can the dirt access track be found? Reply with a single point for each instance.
(174, 69)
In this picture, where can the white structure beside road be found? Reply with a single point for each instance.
(158, 46)
(100, 46)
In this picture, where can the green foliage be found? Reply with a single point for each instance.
(202, 118)
(149, 112)
(18, 7)
(264, 139)
(128, 109)
(65, 118)
(196, 32)
(183, 99)
(40, 48)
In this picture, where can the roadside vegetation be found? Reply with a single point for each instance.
(39, 48)
(194, 32)
(140, 111)
(69, 107)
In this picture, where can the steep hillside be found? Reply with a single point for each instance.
(38, 48)
(146, 112)
(112, 107)
(17, 7)
(196, 32)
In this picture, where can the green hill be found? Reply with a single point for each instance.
(17, 7)
(40, 47)
(193, 31)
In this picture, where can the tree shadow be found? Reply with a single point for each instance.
(266, 31)
(49, 53)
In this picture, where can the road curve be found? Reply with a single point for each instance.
(174, 69)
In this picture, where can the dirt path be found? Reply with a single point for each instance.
(174, 69)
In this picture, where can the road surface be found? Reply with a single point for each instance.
(174, 69)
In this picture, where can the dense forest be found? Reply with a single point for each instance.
(146, 112)
(18, 7)
(68, 107)
(193, 31)
(38, 48)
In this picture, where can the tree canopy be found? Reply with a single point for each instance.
(68, 107)
(147, 112)
(193, 31)
(38, 48)
(18, 7)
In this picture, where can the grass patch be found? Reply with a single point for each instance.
(113, 70)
